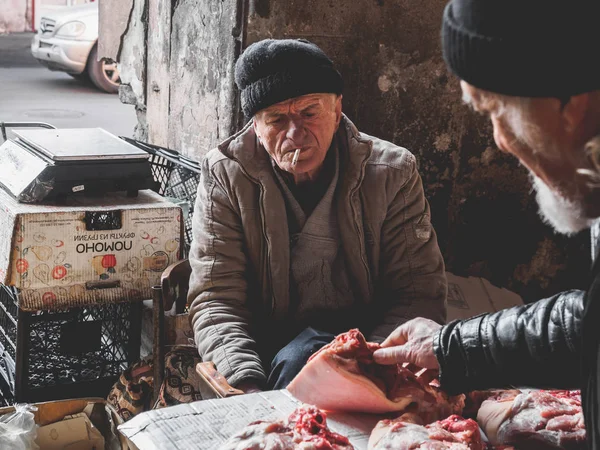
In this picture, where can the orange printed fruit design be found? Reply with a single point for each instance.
(109, 261)
(59, 272)
(22, 265)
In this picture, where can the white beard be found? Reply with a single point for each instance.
(564, 215)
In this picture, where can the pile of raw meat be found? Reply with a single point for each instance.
(343, 377)
(534, 419)
(407, 433)
(305, 429)
(511, 420)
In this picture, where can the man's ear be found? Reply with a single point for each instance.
(573, 113)
(338, 110)
(254, 128)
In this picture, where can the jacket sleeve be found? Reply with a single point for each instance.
(536, 345)
(218, 286)
(412, 280)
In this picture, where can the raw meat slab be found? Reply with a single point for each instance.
(343, 376)
(534, 420)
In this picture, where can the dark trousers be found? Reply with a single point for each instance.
(292, 358)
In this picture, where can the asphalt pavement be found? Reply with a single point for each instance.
(32, 93)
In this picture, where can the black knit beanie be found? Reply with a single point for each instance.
(527, 48)
(273, 70)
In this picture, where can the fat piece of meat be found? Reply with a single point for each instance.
(474, 400)
(343, 376)
(453, 432)
(534, 420)
(305, 429)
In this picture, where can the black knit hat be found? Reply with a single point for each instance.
(272, 70)
(527, 48)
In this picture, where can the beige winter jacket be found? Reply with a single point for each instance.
(240, 254)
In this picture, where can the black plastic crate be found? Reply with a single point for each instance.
(177, 176)
(78, 352)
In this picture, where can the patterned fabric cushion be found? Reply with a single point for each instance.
(181, 383)
(132, 393)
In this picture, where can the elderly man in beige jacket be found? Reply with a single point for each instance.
(304, 226)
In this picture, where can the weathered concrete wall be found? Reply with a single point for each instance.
(202, 87)
(113, 23)
(15, 16)
(397, 88)
(176, 67)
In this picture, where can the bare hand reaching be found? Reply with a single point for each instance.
(411, 342)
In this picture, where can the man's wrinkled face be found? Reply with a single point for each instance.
(534, 132)
(307, 123)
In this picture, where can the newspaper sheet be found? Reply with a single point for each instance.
(207, 424)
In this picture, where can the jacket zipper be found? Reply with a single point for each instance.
(360, 235)
(264, 228)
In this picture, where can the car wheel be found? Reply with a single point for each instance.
(104, 74)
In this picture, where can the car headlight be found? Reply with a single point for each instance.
(71, 30)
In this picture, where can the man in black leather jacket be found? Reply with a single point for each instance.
(531, 66)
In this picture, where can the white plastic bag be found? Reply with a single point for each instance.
(18, 430)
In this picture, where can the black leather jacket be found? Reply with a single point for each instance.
(553, 343)
(536, 345)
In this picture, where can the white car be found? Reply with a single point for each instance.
(67, 40)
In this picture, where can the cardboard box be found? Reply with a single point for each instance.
(77, 432)
(74, 432)
(92, 250)
(468, 297)
(206, 424)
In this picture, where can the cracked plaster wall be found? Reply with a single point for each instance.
(397, 88)
(202, 96)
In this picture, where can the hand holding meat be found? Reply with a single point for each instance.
(411, 342)
(342, 376)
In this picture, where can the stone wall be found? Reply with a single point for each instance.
(203, 53)
(397, 88)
